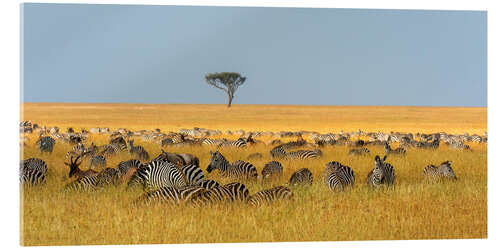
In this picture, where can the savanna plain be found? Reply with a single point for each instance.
(412, 209)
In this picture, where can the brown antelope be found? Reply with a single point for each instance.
(74, 169)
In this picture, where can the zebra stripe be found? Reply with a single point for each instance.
(212, 142)
(278, 152)
(240, 143)
(208, 184)
(232, 192)
(46, 144)
(97, 161)
(124, 166)
(194, 175)
(33, 171)
(170, 195)
(238, 170)
(157, 174)
(268, 196)
(338, 177)
(106, 177)
(383, 173)
(139, 151)
(301, 177)
(272, 169)
(304, 154)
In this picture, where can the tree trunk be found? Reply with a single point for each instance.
(230, 96)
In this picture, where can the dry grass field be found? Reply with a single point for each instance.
(412, 209)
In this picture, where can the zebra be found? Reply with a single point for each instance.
(397, 151)
(213, 142)
(170, 195)
(301, 177)
(294, 144)
(85, 183)
(33, 171)
(443, 171)
(138, 150)
(127, 168)
(240, 143)
(77, 150)
(278, 152)
(459, 145)
(304, 154)
(268, 196)
(232, 192)
(45, 144)
(272, 169)
(157, 174)
(338, 176)
(383, 173)
(360, 151)
(190, 159)
(238, 170)
(171, 157)
(97, 161)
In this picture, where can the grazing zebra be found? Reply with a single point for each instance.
(443, 171)
(98, 161)
(301, 177)
(33, 171)
(383, 173)
(77, 150)
(124, 166)
(46, 144)
(238, 170)
(208, 184)
(157, 174)
(212, 142)
(338, 176)
(360, 151)
(272, 169)
(268, 196)
(232, 192)
(278, 152)
(107, 177)
(304, 154)
(85, 183)
(459, 145)
(294, 144)
(138, 150)
(397, 151)
(170, 195)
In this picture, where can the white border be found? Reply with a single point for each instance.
(10, 27)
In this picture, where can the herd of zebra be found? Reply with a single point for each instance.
(178, 179)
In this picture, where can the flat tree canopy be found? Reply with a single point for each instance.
(227, 81)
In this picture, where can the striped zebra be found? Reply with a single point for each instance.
(213, 142)
(33, 171)
(304, 154)
(268, 196)
(443, 171)
(459, 145)
(45, 144)
(125, 166)
(139, 151)
(157, 174)
(294, 144)
(232, 192)
(271, 170)
(77, 150)
(278, 152)
(301, 177)
(170, 195)
(360, 151)
(338, 177)
(383, 173)
(85, 183)
(193, 174)
(240, 143)
(238, 170)
(397, 151)
(208, 184)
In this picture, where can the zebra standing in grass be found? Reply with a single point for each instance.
(208, 184)
(232, 192)
(98, 161)
(278, 152)
(361, 151)
(139, 151)
(124, 166)
(238, 170)
(443, 171)
(304, 154)
(193, 174)
(338, 176)
(268, 196)
(212, 142)
(383, 173)
(46, 144)
(170, 195)
(397, 151)
(301, 177)
(272, 169)
(240, 143)
(33, 171)
(157, 174)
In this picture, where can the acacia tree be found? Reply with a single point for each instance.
(227, 81)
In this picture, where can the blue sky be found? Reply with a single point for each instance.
(160, 54)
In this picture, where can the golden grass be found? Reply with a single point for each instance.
(413, 209)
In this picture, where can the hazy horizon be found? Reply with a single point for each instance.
(98, 53)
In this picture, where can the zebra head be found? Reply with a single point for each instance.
(378, 173)
(217, 161)
(446, 170)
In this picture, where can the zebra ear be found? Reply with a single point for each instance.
(385, 157)
(377, 158)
